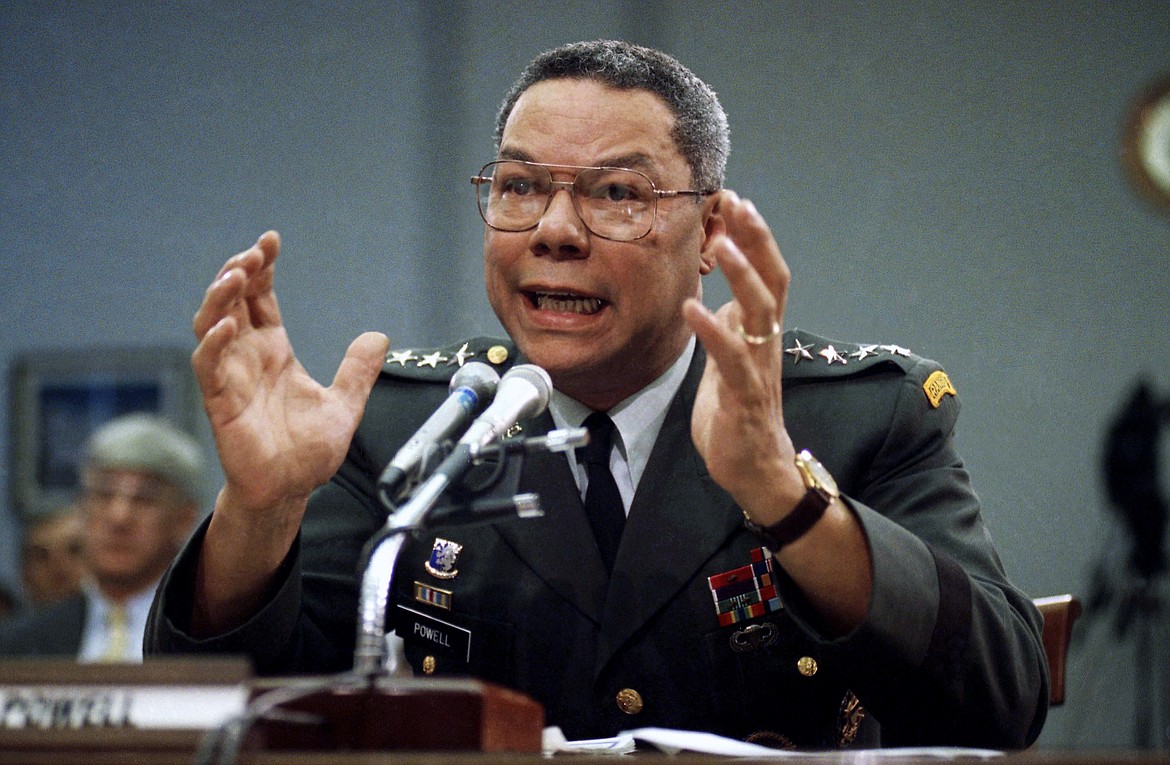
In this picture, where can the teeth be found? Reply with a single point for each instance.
(567, 303)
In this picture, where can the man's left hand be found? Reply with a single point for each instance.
(738, 421)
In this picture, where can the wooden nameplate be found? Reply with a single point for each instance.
(394, 714)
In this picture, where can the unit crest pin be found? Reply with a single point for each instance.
(444, 558)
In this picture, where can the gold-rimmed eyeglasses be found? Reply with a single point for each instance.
(615, 203)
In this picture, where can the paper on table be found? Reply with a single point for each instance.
(553, 742)
(674, 741)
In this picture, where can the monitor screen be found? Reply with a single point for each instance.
(58, 398)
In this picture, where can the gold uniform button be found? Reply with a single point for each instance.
(429, 665)
(629, 701)
(497, 354)
(807, 666)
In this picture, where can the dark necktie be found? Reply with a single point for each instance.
(603, 501)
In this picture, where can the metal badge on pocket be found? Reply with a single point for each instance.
(754, 637)
(444, 558)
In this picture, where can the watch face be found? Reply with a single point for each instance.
(819, 474)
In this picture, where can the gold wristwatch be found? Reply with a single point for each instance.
(821, 491)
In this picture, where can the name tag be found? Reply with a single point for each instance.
(446, 636)
(64, 709)
(54, 707)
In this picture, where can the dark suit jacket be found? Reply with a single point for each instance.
(950, 652)
(51, 630)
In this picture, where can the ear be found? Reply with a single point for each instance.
(714, 228)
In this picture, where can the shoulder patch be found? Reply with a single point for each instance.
(809, 355)
(937, 386)
(441, 363)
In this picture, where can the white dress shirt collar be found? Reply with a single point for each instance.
(637, 419)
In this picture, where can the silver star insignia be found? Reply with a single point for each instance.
(899, 350)
(863, 352)
(829, 354)
(460, 356)
(799, 351)
(431, 359)
(400, 357)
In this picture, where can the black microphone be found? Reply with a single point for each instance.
(471, 388)
(523, 392)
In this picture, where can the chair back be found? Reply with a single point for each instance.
(1059, 612)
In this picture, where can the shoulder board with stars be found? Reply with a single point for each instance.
(441, 363)
(809, 355)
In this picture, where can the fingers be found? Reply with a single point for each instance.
(243, 289)
(218, 301)
(359, 369)
(211, 372)
(263, 253)
(723, 344)
(758, 308)
(746, 252)
(754, 268)
(748, 230)
(261, 297)
(742, 338)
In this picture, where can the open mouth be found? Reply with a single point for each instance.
(566, 302)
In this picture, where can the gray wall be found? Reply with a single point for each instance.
(940, 175)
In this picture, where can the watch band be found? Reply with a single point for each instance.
(794, 525)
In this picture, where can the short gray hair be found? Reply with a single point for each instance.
(152, 444)
(700, 124)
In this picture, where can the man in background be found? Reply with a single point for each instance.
(139, 500)
(51, 556)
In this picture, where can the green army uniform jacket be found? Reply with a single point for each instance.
(949, 653)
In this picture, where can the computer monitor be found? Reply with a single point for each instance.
(59, 397)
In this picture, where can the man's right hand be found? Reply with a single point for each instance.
(279, 433)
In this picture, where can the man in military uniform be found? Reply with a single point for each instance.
(740, 588)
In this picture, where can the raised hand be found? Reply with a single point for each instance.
(738, 420)
(278, 432)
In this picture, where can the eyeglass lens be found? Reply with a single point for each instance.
(613, 203)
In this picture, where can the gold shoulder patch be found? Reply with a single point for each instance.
(937, 386)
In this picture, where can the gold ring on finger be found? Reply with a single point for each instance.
(759, 339)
